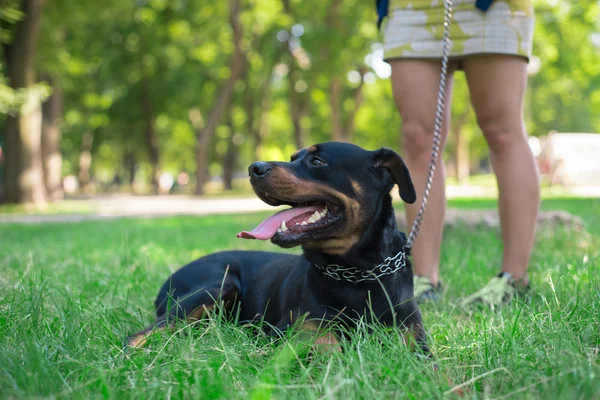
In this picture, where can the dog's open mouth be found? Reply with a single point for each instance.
(296, 222)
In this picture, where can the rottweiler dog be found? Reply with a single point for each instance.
(354, 263)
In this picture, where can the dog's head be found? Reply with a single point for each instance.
(335, 190)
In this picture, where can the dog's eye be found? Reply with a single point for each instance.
(317, 162)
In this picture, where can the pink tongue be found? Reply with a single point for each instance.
(268, 228)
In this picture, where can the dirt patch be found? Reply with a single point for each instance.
(489, 218)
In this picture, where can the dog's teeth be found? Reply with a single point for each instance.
(283, 227)
(278, 230)
(323, 213)
(316, 216)
(304, 223)
(312, 219)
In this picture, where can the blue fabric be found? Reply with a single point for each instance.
(483, 5)
(382, 10)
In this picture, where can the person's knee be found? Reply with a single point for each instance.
(417, 138)
(501, 135)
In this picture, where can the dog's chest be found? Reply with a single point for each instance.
(350, 306)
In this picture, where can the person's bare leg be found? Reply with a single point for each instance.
(415, 85)
(497, 85)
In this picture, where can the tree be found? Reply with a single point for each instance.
(156, 86)
(52, 113)
(205, 132)
(24, 177)
(563, 95)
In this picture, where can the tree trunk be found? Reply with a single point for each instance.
(358, 99)
(52, 111)
(229, 159)
(29, 186)
(205, 132)
(335, 100)
(148, 76)
(263, 123)
(264, 99)
(251, 129)
(148, 116)
(85, 161)
(463, 165)
(343, 131)
(296, 106)
(298, 102)
(461, 148)
(150, 134)
(202, 160)
(24, 175)
(12, 162)
(130, 165)
(297, 122)
(332, 22)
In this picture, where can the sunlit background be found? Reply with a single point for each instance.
(179, 96)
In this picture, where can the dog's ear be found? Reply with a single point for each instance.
(393, 163)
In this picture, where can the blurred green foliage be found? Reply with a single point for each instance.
(100, 52)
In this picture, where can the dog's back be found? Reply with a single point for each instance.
(256, 275)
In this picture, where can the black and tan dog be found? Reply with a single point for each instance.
(354, 263)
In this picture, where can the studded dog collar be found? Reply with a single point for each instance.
(355, 275)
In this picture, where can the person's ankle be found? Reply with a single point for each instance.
(521, 279)
(435, 280)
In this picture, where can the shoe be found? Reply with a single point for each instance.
(498, 292)
(424, 290)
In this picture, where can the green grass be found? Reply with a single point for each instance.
(70, 293)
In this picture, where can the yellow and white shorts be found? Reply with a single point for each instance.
(415, 29)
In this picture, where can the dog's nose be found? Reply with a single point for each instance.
(259, 169)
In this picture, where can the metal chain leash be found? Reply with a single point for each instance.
(355, 275)
(439, 117)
